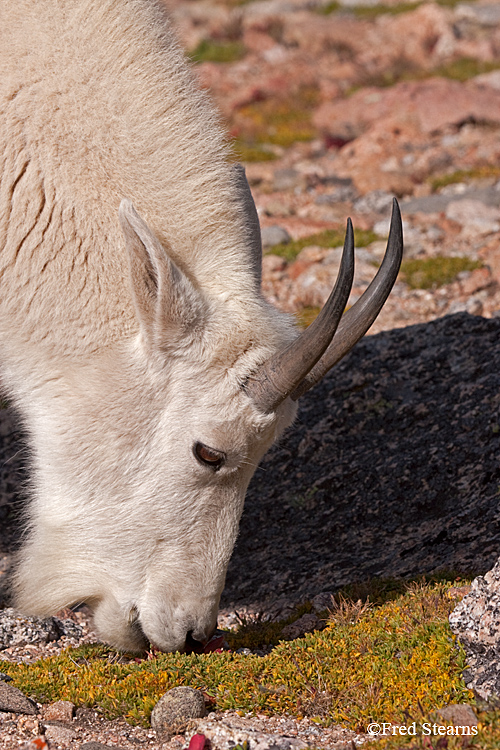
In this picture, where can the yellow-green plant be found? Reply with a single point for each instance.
(373, 665)
(209, 50)
(464, 175)
(279, 120)
(327, 238)
(426, 273)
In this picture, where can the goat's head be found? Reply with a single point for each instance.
(187, 409)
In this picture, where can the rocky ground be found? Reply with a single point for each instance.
(392, 466)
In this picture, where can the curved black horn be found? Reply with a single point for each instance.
(251, 217)
(361, 315)
(282, 373)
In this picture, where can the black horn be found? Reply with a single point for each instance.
(282, 373)
(362, 314)
(302, 364)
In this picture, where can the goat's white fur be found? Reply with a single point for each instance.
(122, 346)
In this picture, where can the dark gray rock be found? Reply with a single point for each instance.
(391, 469)
(305, 624)
(11, 699)
(175, 710)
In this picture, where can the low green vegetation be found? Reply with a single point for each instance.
(328, 238)
(487, 171)
(466, 68)
(428, 273)
(404, 69)
(373, 662)
(209, 50)
(373, 11)
(280, 121)
(246, 152)
(306, 315)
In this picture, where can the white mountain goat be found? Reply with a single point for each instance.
(149, 371)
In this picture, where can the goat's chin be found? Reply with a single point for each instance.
(120, 629)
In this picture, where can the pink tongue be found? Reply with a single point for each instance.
(214, 644)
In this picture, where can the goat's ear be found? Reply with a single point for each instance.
(166, 302)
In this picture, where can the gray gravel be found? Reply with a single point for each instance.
(18, 630)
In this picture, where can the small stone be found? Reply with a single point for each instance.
(305, 624)
(174, 711)
(273, 264)
(378, 202)
(60, 711)
(60, 735)
(274, 235)
(29, 724)
(322, 601)
(234, 731)
(476, 280)
(287, 179)
(474, 215)
(474, 306)
(97, 746)
(458, 714)
(11, 699)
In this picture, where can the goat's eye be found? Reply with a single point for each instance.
(209, 456)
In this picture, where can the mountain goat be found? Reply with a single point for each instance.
(150, 373)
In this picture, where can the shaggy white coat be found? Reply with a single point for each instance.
(124, 341)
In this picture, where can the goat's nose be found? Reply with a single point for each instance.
(195, 642)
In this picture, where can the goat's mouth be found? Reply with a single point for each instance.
(214, 643)
(192, 646)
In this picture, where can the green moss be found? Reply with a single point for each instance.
(372, 663)
(404, 69)
(259, 633)
(280, 121)
(332, 7)
(306, 315)
(428, 273)
(464, 175)
(246, 152)
(465, 68)
(328, 238)
(209, 50)
(373, 11)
